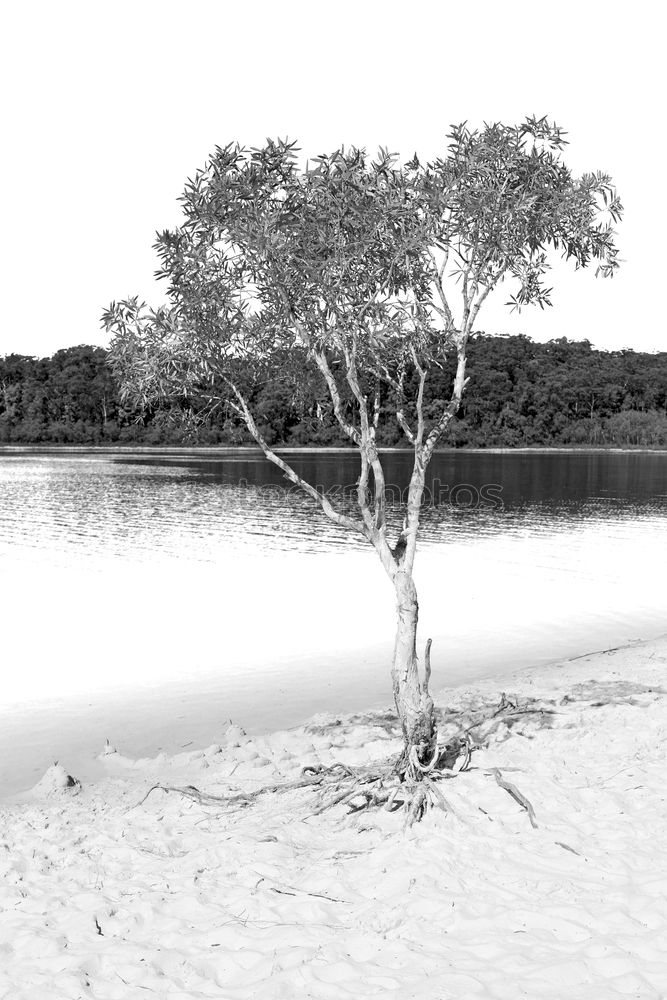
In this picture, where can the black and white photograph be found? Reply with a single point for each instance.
(333, 501)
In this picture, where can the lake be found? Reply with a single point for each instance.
(149, 597)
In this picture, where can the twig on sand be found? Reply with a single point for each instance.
(567, 847)
(135, 985)
(516, 795)
(293, 891)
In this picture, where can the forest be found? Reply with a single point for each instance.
(520, 394)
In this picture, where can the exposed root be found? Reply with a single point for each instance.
(239, 799)
(410, 782)
(414, 790)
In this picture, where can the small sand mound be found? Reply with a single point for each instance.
(56, 781)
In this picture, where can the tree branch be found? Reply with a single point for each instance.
(382, 372)
(403, 424)
(367, 447)
(460, 383)
(340, 519)
(420, 397)
(323, 365)
(438, 282)
(480, 301)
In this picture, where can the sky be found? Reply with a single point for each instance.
(108, 108)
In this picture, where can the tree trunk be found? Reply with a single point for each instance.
(413, 701)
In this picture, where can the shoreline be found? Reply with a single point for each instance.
(274, 900)
(256, 450)
(160, 715)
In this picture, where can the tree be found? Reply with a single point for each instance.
(372, 275)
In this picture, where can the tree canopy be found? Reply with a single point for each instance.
(357, 260)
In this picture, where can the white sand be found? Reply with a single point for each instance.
(177, 900)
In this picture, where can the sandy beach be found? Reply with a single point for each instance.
(103, 897)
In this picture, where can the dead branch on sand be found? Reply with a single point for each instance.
(516, 795)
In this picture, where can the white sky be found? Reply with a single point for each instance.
(109, 106)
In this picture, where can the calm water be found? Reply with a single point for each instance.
(150, 597)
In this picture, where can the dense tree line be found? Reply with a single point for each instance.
(521, 393)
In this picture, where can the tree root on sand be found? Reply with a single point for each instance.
(413, 790)
(358, 789)
(408, 782)
(238, 800)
